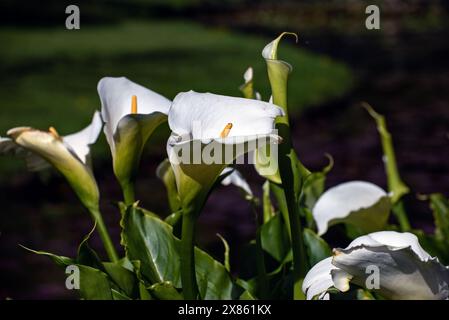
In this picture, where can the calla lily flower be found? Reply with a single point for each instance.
(361, 204)
(131, 114)
(405, 269)
(70, 155)
(235, 178)
(209, 131)
(213, 122)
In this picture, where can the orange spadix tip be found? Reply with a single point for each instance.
(134, 104)
(226, 130)
(54, 133)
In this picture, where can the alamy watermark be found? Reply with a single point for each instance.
(373, 280)
(72, 22)
(72, 282)
(372, 22)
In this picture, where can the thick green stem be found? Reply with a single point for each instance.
(291, 181)
(104, 235)
(262, 279)
(401, 215)
(128, 193)
(188, 275)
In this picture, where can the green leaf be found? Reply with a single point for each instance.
(274, 238)
(317, 248)
(151, 241)
(94, 284)
(165, 291)
(116, 295)
(125, 279)
(246, 295)
(86, 255)
(314, 185)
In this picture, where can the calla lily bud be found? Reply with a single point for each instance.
(131, 114)
(278, 71)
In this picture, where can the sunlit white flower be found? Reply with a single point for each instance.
(406, 270)
(213, 122)
(361, 204)
(131, 114)
(68, 154)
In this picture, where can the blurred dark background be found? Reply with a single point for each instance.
(48, 76)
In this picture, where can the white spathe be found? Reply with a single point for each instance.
(203, 116)
(235, 178)
(78, 144)
(69, 155)
(116, 94)
(340, 201)
(406, 270)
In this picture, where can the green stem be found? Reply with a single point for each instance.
(104, 235)
(188, 275)
(298, 247)
(290, 179)
(262, 279)
(401, 215)
(128, 193)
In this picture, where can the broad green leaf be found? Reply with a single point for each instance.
(317, 248)
(274, 238)
(151, 241)
(94, 284)
(123, 278)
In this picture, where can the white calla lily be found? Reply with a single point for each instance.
(235, 178)
(213, 122)
(131, 114)
(70, 155)
(78, 143)
(405, 269)
(361, 204)
(202, 124)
